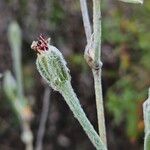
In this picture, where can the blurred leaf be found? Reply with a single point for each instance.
(133, 1)
(19, 105)
(15, 40)
(10, 85)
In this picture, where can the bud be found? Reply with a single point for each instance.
(50, 63)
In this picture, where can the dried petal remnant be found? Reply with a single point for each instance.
(41, 45)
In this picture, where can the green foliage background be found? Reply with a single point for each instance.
(127, 29)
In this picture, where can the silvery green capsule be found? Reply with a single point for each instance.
(50, 63)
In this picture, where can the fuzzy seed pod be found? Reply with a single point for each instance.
(50, 63)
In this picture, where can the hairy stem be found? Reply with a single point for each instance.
(147, 141)
(97, 30)
(99, 104)
(73, 102)
(97, 72)
(92, 56)
(86, 21)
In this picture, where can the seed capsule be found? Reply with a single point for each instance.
(50, 63)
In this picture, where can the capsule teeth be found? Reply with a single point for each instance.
(42, 39)
(52, 67)
(41, 45)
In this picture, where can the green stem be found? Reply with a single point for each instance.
(146, 113)
(97, 30)
(97, 72)
(147, 141)
(99, 104)
(86, 20)
(73, 102)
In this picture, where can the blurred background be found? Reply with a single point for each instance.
(126, 72)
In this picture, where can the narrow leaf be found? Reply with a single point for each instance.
(133, 1)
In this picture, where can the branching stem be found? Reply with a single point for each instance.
(92, 56)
